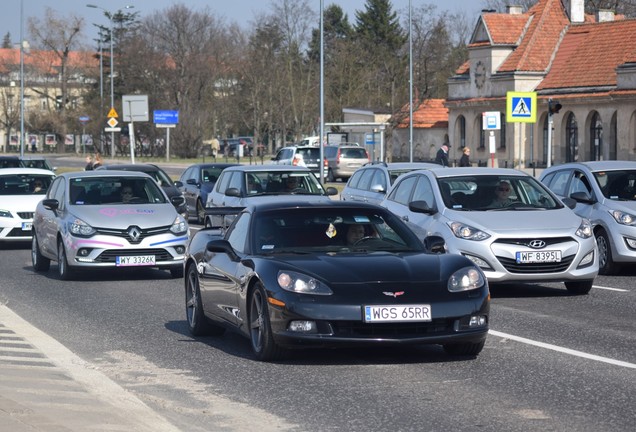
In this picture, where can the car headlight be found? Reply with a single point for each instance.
(80, 228)
(5, 213)
(585, 229)
(466, 232)
(623, 218)
(300, 283)
(179, 226)
(466, 279)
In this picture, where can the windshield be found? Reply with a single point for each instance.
(331, 230)
(24, 184)
(282, 182)
(115, 190)
(617, 185)
(492, 192)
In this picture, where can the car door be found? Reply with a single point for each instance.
(52, 220)
(415, 187)
(190, 189)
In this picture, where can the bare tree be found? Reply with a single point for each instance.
(57, 37)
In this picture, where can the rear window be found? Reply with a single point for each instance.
(310, 153)
(354, 153)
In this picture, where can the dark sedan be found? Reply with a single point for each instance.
(196, 183)
(161, 177)
(294, 274)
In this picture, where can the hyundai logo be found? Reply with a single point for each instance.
(134, 233)
(537, 244)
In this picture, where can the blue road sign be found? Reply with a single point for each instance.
(165, 117)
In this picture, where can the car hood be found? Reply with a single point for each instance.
(389, 268)
(122, 216)
(626, 206)
(21, 203)
(519, 221)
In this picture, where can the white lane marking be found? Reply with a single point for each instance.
(563, 350)
(609, 289)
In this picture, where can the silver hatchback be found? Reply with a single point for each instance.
(503, 220)
(108, 219)
(605, 193)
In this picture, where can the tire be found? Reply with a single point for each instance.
(582, 287)
(262, 341)
(40, 262)
(606, 265)
(63, 269)
(200, 212)
(176, 272)
(464, 349)
(198, 324)
(330, 177)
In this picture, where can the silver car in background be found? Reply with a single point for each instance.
(605, 193)
(503, 220)
(108, 219)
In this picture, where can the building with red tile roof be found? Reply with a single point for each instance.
(585, 63)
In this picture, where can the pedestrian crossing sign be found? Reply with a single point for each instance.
(521, 107)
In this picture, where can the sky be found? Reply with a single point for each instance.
(239, 11)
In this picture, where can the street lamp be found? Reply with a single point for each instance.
(109, 15)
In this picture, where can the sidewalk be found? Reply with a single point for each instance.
(45, 387)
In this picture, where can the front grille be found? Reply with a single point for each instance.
(110, 255)
(19, 232)
(533, 268)
(391, 330)
(26, 215)
(144, 233)
(549, 241)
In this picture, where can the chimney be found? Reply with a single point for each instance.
(575, 10)
(514, 9)
(604, 15)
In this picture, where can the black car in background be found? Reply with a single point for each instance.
(161, 177)
(10, 162)
(37, 162)
(195, 184)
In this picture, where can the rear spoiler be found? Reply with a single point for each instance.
(224, 214)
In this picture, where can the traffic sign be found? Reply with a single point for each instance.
(112, 113)
(491, 120)
(521, 107)
(84, 119)
(165, 117)
(112, 122)
(112, 129)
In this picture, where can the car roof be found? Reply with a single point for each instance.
(212, 165)
(104, 173)
(402, 165)
(131, 167)
(14, 171)
(267, 205)
(441, 172)
(267, 167)
(597, 165)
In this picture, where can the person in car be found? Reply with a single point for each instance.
(502, 195)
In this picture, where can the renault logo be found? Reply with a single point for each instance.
(537, 244)
(134, 233)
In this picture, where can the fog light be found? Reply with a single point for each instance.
(477, 321)
(303, 326)
(180, 250)
(84, 252)
(630, 242)
(478, 262)
(587, 259)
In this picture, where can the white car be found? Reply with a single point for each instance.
(21, 189)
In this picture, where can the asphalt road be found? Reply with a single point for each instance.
(553, 362)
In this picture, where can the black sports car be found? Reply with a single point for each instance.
(298, 274)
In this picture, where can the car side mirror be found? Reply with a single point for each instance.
(233, 192)
(178, 184)
(192, 182)
(435, 244)
(332, 191)
(421, 207)
(581, 197)
(378, 188)
(177, 201)
(51, 204)
(222, 246)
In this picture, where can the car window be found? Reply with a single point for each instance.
(237, 233)
(310, 153)
(559, 182)
(378, 178)
(402, 191)
(354, 153)
(236, 181)
(355, 178)
(186, 174)
(224, 180)
(580, 184)
(365, 180)
(423, 191)
(617, 185)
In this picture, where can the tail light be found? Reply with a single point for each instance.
(338, 157)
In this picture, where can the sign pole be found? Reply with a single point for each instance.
(167, 144)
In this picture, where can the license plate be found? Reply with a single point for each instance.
(538, 257)
(138, 260)
(392, 313)
(27, 226)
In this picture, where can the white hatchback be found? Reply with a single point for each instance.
(21, 189)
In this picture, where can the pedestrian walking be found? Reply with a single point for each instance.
(464, 161)
(442, 155)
